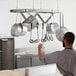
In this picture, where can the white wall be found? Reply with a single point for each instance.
(7, 19)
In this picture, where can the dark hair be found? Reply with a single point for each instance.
(70, 37)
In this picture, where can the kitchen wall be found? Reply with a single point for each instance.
(7, 19)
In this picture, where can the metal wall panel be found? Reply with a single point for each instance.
(7, 55)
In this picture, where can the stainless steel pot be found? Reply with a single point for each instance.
(18, 30)
(60, 33)
(24, 30)
(28, 25)
(31, 20)
(52, 27)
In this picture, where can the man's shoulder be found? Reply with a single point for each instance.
(69, 51)
(74, 51)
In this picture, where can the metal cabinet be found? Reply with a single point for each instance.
(27, 60)
(0, 59)
(23, 61)
(7, 53)
(36, 61)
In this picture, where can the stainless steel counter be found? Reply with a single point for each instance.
(24, 58)
(43, 70)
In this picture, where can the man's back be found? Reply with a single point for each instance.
(65, 59)
(67, 62)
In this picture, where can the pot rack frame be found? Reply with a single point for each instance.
(37, 13)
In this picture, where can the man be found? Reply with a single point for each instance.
(65, 59)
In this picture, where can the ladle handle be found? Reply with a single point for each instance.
(51, 37)
(31, 32)
(42, 29)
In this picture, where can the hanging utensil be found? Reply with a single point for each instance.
(51, 37)
(31, 20)
(52, 27)
(13, 30)
(16, 30)
(43, 39)
(37, 40)
(24, 30)
(47, 35)
(31, 40)
(42, 32)
(60, 32)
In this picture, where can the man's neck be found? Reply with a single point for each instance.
(68, 47)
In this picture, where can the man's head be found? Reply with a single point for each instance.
(68, 39)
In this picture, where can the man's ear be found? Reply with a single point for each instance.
(63, 43)
(64, 40)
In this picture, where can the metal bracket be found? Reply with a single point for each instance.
(23, 15)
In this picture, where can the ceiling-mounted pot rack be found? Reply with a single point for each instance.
(37, 12)
(33, 10)
(32, 19)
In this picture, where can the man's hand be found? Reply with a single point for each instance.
(40, 50)
(40, 46)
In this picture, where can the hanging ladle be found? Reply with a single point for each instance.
(50, 37)
(43, 39)
(31, 40)
(37, 40)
